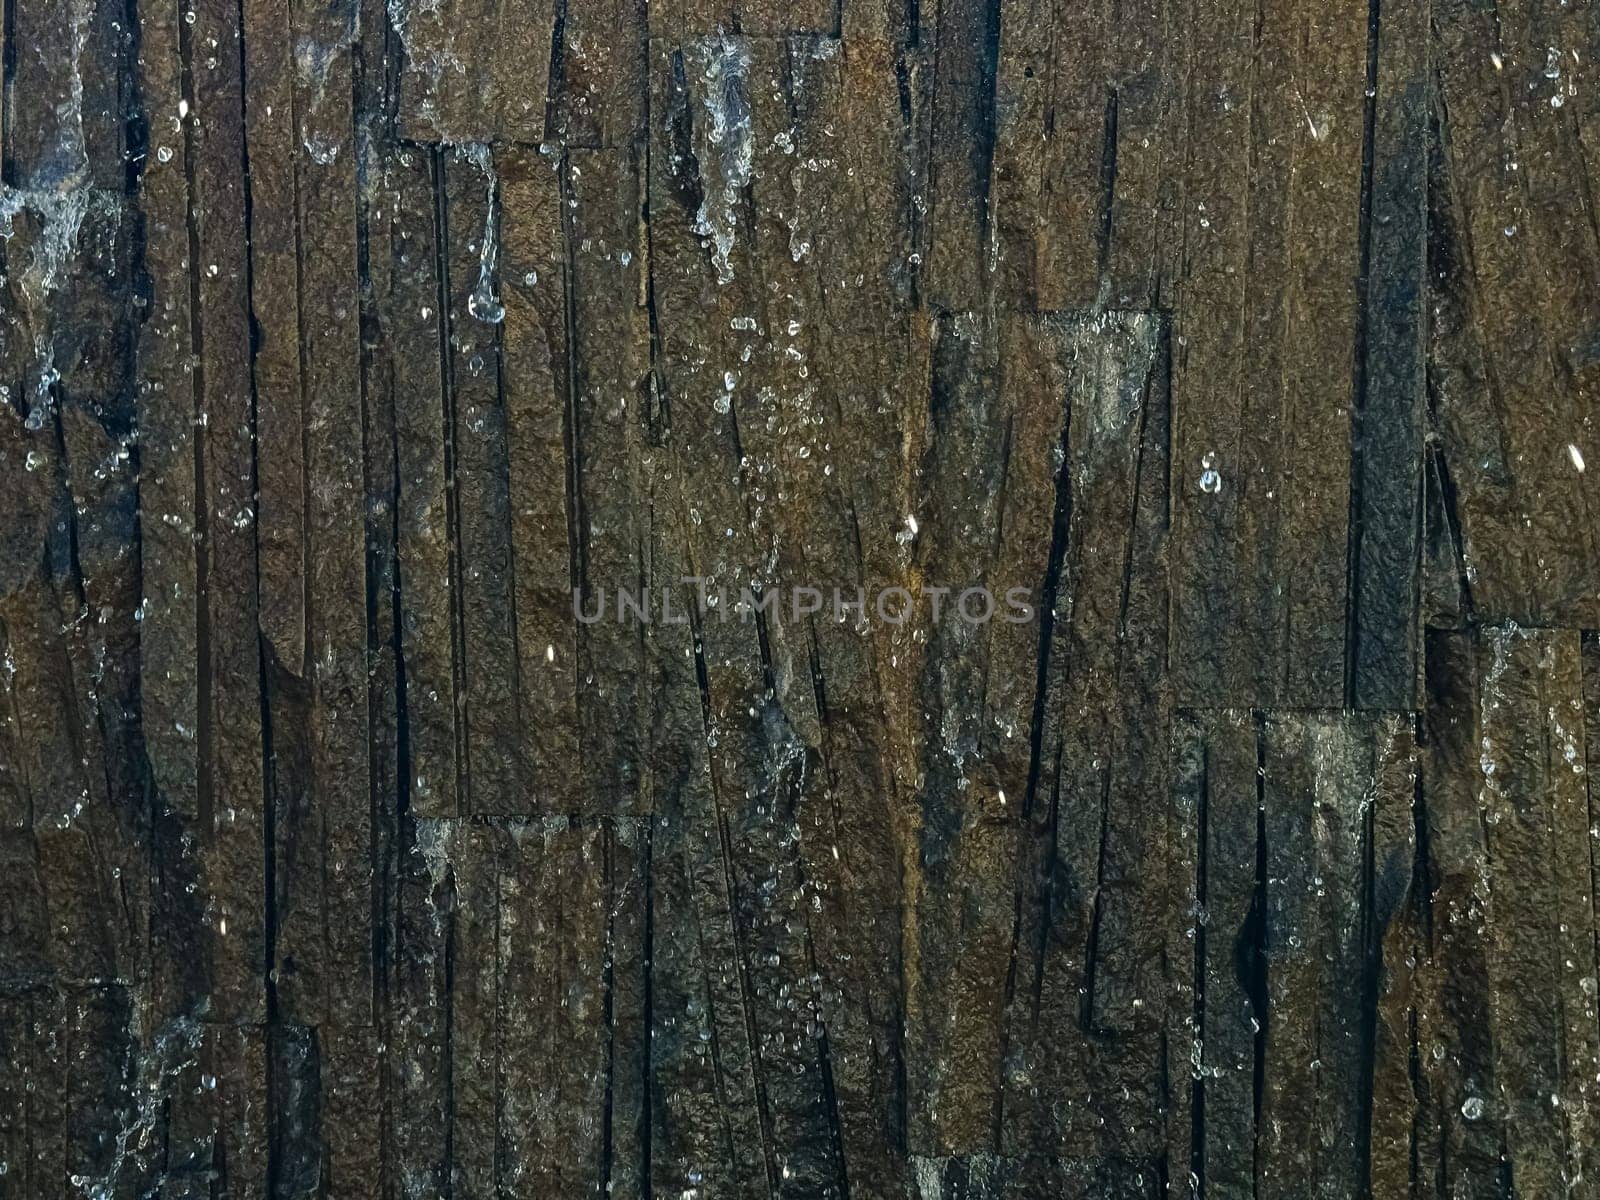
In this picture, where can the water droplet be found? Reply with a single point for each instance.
(484, 305)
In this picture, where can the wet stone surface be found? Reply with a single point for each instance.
(706, 600)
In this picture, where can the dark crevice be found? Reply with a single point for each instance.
(555, 80)
(1451, 512)
(135, 122)
(727, 859)
(495, 227)
(1372, 932)
(447, 1024)
(830, 1100)
(8, 73)
(263, 673)
(700, 673)
(986, 132)
(608, 985)
(1060, 524)
(1256, 935)
(381, 537)
(441, 231)
(1197, 1083)
(1046, 903)
(441, 236)
(398, 822)
(571, 425)
(1360, 370)
(1108, 191)
(659, 404)
(1091, 963)
(202, 540)
(646, 865)
(1136, 495)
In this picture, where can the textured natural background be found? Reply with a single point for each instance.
(340, 339)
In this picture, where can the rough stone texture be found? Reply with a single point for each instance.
(1257, 346)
